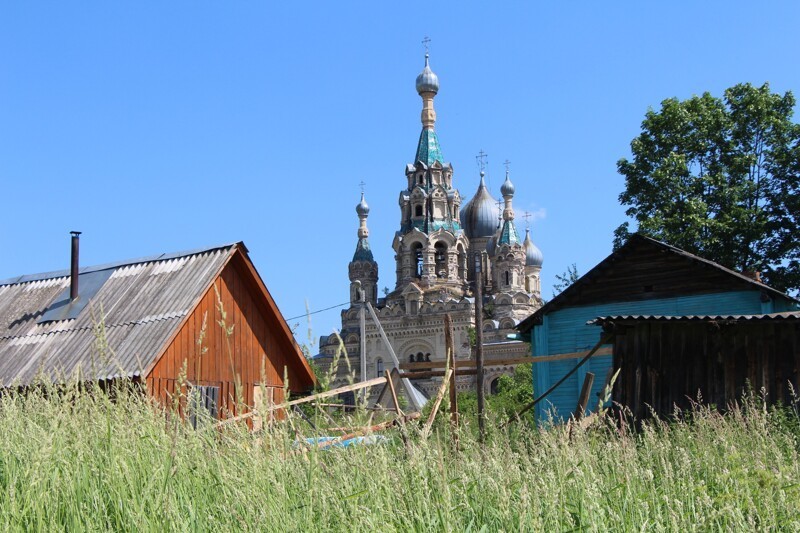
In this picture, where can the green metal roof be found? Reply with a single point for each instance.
(428, 149)
(509, 235)
(363, 252)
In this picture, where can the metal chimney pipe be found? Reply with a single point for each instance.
(73, 273)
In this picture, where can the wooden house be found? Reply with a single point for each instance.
(669, 362)
(206, 311)
(643, 277)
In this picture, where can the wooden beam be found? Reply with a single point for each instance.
(583, 399)
(346, 406)
(390, 384)
(439, 397)
(385, 390)
(428, 365)
(451, 357)
(334, 392)
(371, 429)
(425, 374)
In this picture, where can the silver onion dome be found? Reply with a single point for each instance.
(427, 81)
(362, 208)
(533, 255)
(491, 246)
(479, 215)
(507, 189)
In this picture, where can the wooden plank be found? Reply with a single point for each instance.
(583, 399)
(334, 392)
(436, 374)
(390, 384)
(385, 390)
(371, 429)
(347, 406)
(326, 394)
(428, 365)
(439, 397)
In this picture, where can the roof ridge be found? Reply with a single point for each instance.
(164, 256)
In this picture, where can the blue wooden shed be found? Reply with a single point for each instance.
(643, 277)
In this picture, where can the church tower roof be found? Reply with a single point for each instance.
(427, 81)
(508, 233)
(533, 255)
(363, 251)
(479, 215)
(428, 150)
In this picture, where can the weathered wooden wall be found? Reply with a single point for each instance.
(255, 352)
(668, 365)
(565, 330)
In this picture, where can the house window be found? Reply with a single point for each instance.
(203, 404)
(379, 368)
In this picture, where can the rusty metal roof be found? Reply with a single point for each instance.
(784, 316)
(123, 327)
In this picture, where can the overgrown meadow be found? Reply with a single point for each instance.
(79, 461)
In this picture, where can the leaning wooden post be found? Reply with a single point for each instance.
(479, 344)
(451, 362)
(583, 400)
(436, 403)
(390, 384)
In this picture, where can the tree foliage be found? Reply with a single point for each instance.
(565, 279)
(718, 177)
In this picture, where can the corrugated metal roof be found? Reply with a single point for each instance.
(787, 315)
(139, 306)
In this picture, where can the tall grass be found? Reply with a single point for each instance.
(79, 461)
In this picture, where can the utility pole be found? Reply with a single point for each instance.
(479, 343)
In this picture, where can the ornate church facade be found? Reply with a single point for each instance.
(436, 254)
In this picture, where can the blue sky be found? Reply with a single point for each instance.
(165, 126)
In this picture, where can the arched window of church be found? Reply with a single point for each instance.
(440, 255)
(418, 211)
(417, 251)
(379, 367)
(420, 358)
(508, 276)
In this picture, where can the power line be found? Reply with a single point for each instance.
(319, 311)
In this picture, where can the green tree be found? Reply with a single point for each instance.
(565, 279)
(719, 177)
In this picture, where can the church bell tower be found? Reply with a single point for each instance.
(363, 269)
(430, 247)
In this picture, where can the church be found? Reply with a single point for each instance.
(438, 249)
